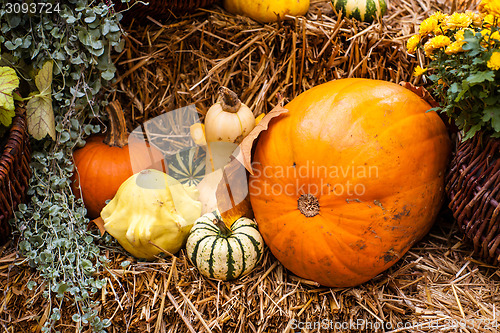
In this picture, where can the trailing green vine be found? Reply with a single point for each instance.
(78, 40)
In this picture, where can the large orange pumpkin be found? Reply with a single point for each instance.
(349, 179)
(106, 161)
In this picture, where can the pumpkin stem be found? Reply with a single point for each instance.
(308, 205)
(224, 230)
(118, 134)
(228, 100)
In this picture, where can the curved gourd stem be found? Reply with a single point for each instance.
(224, 230)
(118, 133)
(228, 100)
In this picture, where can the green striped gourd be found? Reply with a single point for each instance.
(361, 10)
(222, 253)
(187, 166)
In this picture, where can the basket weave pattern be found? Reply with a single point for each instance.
(14, 172)
(473, 186)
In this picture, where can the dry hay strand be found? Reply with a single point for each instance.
(169, 65)
(435, 287)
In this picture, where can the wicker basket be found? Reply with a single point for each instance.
(160, 9)
(473, 186)
(14, 171)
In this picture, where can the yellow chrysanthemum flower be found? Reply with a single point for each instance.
(494, 62)
(428, 26)
(490, 20)
(419, 71)
(477, 20)
(454, 48)
(486, 32)
(458, 20)
(432, 24)
(440, 41)
(491, 7)
(428, 49)
(435, 43)
(412, 43)
(441, 19)
(490, 37)
(486, 36)
(439, 16)
(482, 7)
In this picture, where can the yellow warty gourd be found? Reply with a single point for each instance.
(151, 208)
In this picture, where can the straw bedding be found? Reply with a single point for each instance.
(435, 287)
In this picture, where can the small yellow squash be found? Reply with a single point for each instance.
(265, 11)
(151, 212)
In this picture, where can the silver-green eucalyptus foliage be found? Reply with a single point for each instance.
(79, 39)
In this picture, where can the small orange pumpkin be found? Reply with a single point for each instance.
(349, 179)
(105, 162)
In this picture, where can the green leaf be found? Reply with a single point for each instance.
(492, 114)
(108, 75)
(472, 43)
(454, 88)
(465, 89)
(89, 19)
(87, 264)
(8, 82)
(471, 132)
(62, 288)
(97, 52)
(39, 110)
(6, 117)
(119, 46)
(71, 19)
(13, 45)
(492, 99)
(480, 77)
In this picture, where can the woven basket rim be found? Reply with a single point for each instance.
(473, 187)
(160, 9)
(17, 126)
(14, 170)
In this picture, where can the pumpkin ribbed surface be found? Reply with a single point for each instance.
(349, 179)
(101, 169)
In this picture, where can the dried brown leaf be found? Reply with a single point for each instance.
(233, 200)
(232, 196)
(421, 92)
(99, 222)
(244, 151)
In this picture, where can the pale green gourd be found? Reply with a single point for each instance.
(221, 253)
(361, 10)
